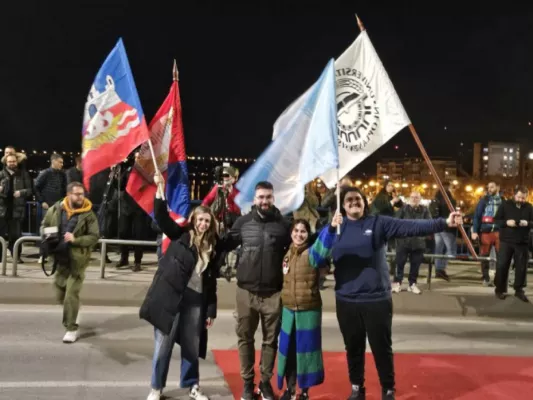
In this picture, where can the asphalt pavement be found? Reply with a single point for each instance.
(112, 359)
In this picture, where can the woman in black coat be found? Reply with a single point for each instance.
(181, 302)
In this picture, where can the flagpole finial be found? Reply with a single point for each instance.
(360, 23)
(175, 71)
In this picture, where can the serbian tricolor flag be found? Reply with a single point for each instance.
(166, 135)
(113, 119)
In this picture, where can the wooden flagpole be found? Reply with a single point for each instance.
(432, 170)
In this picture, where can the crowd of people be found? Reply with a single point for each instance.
(280, 266)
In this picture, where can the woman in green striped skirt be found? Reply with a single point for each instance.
(300, 342)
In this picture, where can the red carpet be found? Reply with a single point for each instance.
(418, 376)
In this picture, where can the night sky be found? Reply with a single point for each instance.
(471, 74)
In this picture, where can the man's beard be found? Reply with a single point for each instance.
(267, 213)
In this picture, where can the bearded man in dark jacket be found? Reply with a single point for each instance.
(265, 236)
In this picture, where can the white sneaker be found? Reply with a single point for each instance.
(197, 394)
(396, 287)
(414, 289)
(154, 395)
(70, 337)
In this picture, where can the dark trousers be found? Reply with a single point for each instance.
(416, 256)
(132, 227)
(251, 309)
(508, 251)
(372, 319)
(10, 229)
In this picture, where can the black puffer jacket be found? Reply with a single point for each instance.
(163, 299)
(20, 181)
(264, 244)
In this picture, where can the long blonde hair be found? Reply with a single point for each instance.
(209, 238)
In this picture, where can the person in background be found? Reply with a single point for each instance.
(51, 184)
(21, 158)
(363, 287)
(15, 189)
(133, 223)
(300, 342)
(445, 242)
(386, 201)
(74, 174)
(412, 247)
(221, 200)
(308, 209)
(75, 222)
(515, 219)
(485, 229)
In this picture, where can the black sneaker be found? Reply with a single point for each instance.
(387, 395)
(136, 267)
(248, 391)
(288, 395)
(500, 296)
(522, 296)
(265, 390)
(304, 395)
(358, 393)
(442, 274)
(121, 264)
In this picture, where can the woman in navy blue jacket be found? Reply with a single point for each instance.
(363, 288)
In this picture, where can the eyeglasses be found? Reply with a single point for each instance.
(225, 175)
(79, 194)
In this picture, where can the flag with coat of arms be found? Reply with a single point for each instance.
(168, 141)
(113, 119)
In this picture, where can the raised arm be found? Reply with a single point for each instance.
(169, 227)
(321, 249)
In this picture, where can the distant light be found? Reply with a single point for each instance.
(396, 147)
(455, 182)
(445, 128)
(530, 156)
(358, 183)
(480, 189)
(468, 188)
(485, 158)
(396, 185)
(434, 186)
(529, 123)
(424, 185)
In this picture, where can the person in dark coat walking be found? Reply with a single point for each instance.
(515, 220)
(181, 303)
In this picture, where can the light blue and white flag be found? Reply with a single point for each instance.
(304, 146)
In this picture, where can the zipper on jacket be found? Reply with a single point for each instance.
(261, 255)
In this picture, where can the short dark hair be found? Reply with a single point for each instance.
(73, 185)
(10, 147)
(493, 181)
(349, 189)
(264, 185)
(302, 221)
(56, 156)
(521, 189)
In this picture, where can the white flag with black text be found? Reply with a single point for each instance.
(369, 112)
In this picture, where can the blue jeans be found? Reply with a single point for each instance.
(188, 326)
(444, 240)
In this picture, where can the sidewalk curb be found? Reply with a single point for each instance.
(131, 294)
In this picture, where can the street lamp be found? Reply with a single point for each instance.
(530, 156)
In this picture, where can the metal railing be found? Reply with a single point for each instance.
(102, 242)
(4, 255)
(105, 242)
(16, 247)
